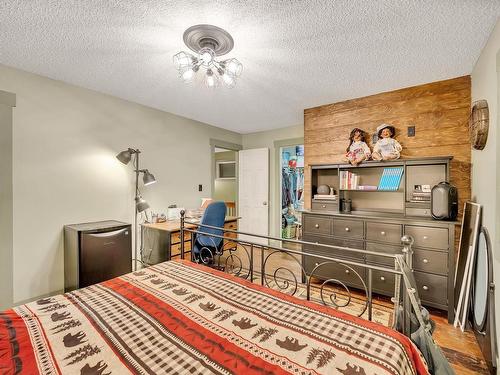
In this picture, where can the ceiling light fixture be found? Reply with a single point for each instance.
(208, 42)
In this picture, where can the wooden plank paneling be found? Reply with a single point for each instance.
(439, 111)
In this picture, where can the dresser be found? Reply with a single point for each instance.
(162, 241)
(433, 251)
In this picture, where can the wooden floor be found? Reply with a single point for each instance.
(460, 348)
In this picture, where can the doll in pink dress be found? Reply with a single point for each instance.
(386, 148)
(358, 150)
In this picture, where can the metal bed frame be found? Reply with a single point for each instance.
(405, 291)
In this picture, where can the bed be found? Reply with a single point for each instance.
(180, 317)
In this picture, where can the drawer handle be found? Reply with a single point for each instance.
(347, 229)
(323, 206)
(347, 272)
(316, 226)
(425, 260)
(425, 237)
(382, 278)
(425, 287)
(382, 233)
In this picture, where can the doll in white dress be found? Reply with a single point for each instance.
(386, 148)
(358, 150)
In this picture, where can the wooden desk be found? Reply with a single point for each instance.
(162, 241)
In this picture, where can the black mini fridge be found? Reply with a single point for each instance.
(95, 252)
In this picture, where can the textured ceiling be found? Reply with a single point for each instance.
(296, 54)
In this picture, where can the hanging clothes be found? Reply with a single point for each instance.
(292, 187)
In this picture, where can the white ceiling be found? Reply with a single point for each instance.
(296, 54)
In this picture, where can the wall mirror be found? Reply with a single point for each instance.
(483, 300)
(481, 286)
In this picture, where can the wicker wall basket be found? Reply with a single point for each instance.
(478, 124)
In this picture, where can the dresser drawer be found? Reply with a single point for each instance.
(341, 272)
(432, 288)
(317, 225)
(348, 228)
(176, 237)
(233, 225)
(435, 238)
(324, 206)
(430, 261)
(332, 252)
(382, 282)
(175, 250)
(390, 233)
(382, 248)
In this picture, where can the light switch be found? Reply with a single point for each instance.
(200, 187)
(411, 131)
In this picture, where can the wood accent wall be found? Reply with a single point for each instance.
(439, 111)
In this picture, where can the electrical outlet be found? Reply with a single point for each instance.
(411, 131)
(200, 187)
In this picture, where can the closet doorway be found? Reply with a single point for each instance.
(291, 190)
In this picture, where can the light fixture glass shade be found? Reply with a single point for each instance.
(187, 74)
(233, 67)
(148, 178)
(125, 156)
(141, 204)
(183, 60)
(228, 80)
(210, 79)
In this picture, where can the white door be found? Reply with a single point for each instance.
(253, 192)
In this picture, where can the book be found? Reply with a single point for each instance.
(325, 197)
(348, 180)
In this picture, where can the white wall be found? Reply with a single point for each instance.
(486, 163)
(267, 139)
(65, 171)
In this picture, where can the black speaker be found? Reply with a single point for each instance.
(444, 201)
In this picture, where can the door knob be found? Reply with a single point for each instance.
(347, 229)
(264, 203)
(347, 272)
(316, 226)
(382, 233)
(323, 205)
(382, 278)
(425, 261)
(425, 287)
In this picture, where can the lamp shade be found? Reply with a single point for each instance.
(148, 178)
(124, 156)
(141, 204)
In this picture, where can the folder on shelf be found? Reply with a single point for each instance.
(390, 179)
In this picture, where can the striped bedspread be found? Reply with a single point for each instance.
(181, 318)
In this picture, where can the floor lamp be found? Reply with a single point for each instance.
(147, 178)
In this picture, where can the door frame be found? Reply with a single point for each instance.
(7, 104)
(277, 179)
(213, 171)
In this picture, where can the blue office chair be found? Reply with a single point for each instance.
(206, 247)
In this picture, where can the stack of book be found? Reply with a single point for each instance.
(349, 180)
(391, 178)
(325, 197)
